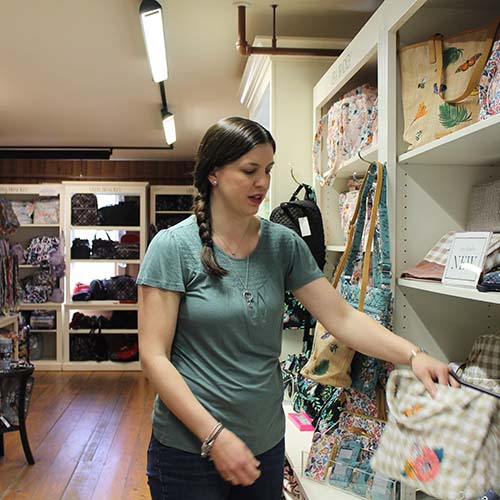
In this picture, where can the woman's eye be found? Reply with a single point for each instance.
(249, 172)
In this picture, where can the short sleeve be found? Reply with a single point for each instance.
(162, 266)
(302, 267)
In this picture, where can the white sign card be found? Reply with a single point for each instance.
(466, 258)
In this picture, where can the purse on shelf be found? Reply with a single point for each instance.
(489, 85)
(439, 79)
(446, 446)
(483, 213)
(330, 360)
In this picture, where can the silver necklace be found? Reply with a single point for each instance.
(227, 247)
(247, 294)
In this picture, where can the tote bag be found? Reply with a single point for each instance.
(446, 446)
(439, 80)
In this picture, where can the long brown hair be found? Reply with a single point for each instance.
(226, 141)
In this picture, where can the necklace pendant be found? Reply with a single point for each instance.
(248, 296)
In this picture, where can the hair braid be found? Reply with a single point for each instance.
(201, 207)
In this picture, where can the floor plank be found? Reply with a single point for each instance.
(88, 432)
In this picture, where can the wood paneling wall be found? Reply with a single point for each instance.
(154, 172)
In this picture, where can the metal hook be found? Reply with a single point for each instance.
(362, 159)
(293, 176)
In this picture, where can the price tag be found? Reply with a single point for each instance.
(305, 229)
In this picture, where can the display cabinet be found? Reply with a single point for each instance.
(170, 205)
(38, 220)
(125, 221)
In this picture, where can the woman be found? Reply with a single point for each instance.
(210, 321)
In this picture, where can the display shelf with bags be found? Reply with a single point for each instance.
(170, 204)
(346, 99)
(429, 187)
(107, 239)
(38, 243)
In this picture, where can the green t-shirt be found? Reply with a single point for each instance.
(228, 353)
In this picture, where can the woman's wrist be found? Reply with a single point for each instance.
(414, 353)
(206, 445)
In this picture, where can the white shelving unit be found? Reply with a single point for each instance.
(108, 193)
(52, 338)
(168, 205)
(428, 187)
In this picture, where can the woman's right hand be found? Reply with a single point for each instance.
(234, 460)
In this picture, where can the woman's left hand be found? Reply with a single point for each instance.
(430, 370)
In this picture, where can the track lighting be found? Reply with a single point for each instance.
(168, 126)
(154, 38)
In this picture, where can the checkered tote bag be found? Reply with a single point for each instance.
(448, 446)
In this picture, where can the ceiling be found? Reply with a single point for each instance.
(75, 73)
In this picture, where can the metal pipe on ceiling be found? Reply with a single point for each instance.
(245, 49)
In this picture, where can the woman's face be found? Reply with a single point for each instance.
(243, 184)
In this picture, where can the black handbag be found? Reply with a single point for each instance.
(80, 249)
(125, 213)
(103, 249)
(121, 287)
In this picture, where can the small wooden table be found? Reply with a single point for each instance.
(22, 375)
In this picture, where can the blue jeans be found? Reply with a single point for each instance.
(178, 475)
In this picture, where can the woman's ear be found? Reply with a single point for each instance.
(212, 178)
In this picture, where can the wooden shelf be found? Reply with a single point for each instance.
(453, 291)
(174, 212)
(44, 305)
(101, 304)
(7, 320)
(115, 261)
(40, 330)
(113, 331)
(101, 366)
(39, 225)
(105, 228)
(335, 248)
(474, 145)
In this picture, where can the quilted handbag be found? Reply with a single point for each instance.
(84, 210)
(438, 82)
(446, 446)
(330, 360)
(121, 287)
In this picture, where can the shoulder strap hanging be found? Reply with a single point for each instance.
(356, 225)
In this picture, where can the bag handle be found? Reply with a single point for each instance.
(356, 226)
(453, 369)
(437, 46)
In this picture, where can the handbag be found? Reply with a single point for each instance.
(80, 249)
(446, 446)
(438, 82)
(330, 360)
(489, 85)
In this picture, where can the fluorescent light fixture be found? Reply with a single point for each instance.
(154, 37)
(169, 127)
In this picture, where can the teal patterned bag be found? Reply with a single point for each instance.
(376, 300)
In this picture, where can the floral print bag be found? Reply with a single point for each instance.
(439, 83)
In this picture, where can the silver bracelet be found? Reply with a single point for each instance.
(414, 352)
(206, 446)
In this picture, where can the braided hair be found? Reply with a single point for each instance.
(223, 143)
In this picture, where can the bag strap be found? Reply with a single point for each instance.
(437, 46)
(455, 367)
(356, 227)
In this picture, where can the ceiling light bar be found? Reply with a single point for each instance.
(169, 127)
(154, 38)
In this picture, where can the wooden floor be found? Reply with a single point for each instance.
(88, 432)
